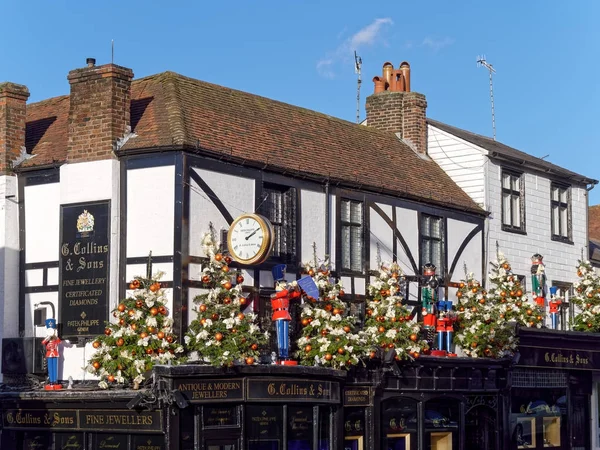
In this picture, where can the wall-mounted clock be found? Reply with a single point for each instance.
(250, 239)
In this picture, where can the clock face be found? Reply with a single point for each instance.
(249, 239)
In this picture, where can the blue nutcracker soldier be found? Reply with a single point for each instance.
(51, 342)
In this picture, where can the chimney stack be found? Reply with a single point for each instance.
(13, 99)
(99, 111)
(393, 107)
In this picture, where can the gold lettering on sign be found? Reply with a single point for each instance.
(211, 390)
(72, 442)
(570, 359)
(107, 443)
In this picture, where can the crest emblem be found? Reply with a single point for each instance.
(85, 222)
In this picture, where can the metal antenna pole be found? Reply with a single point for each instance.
(112, 51)
(482, 62)
(357, 70)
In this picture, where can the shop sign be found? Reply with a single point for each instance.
(291, 390)
(62, 419)
(211, 390)
(84, 268)
(358, 396)
(561, 358)
(148, 443)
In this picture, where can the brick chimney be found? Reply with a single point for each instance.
(13, 98)
(99, 112)
(393, 107)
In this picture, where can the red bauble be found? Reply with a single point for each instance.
(324, 332)
(169, 339)
(206, 279)
(227, 300)
(108, 332)
(215, 316)
(139, 303)
(162, 310)
(228, 259)
(239, 279)
(149, 351)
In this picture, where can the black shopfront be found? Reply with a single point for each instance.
(551, 387)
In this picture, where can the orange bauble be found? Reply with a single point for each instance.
(241, 316)
(249, 360)
(506, 266)
(154, 311)
(160, 335)
(336, 311)
(342, 293)
(108, 332)
(347, 329)
(459, 294)
(503, 294)
(218, 257)
(227, 285)
(413, 337)
(121, 322)
(307, 349)
(589, 325)
(474, 290)
(529, 312)
(228, 259)
(96, 365)
(239, 279)
(254, 347)
(155, 287)
(110, 378)
(328, 357)
(143, 334)
(474, 344)
(133, 326)
(372, 355)
(324, 332)
(149, 351)
(119, 366)
(96, 344)
(150, 329)
(461, 285)
(206, 279)
(131, 312)
(341, 351)
(328, 307)
(121, 307)
(311, 273)
(162, 310)
(139, 303)
(120, 342)
(225, 269)
(219, 336)
(227, 300)
(381, 329)
(304, 322)
(169, 339)
(243, 301)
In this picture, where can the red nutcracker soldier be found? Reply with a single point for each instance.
(52, 342)
(554, 304)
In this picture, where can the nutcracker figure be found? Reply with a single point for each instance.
(429, 299)
(554, 304)
(538, 280)
(445, 329)
(280, 305)
(52, 342)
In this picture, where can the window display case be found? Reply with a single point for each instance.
(353, 443)
(525, 432)
(399, 424)
(398, 441)
(551, 429)
(441, 419)
(441, 440)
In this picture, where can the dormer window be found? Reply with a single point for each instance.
(560, 203)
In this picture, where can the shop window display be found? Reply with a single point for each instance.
(538, 418)
(400, 424)
(441, 419)
(354, 428)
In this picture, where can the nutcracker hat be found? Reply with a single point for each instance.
(429, 269)
(51, 323)
(553, 290)
(537, 259)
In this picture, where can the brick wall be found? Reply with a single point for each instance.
(13, 98)
(99, 111)
(400, 112)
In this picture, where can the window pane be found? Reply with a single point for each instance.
(426, 251)
(555, 224)
(506, 214)
(436, 228)
(506, 181)
(515, 183)
(425, 223)
(563, 195)
(516, 211)
(436, 257)
(356, 212)
(346, 247)
(563, 222)
(555, 194)
(345, 211)
(356, 253)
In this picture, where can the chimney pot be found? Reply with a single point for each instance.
(91, 62)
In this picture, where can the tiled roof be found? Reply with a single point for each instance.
(498, 149)
(172, 111)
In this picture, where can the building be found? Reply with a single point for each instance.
(155, 161)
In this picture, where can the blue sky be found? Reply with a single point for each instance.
(301, 52)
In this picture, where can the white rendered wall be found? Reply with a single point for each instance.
(9, 257)
(408, 225)
(381, 237)
(150, 211)
(235, 192)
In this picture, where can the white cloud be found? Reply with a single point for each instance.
(367, 36)
(437, 44)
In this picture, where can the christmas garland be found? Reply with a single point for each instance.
(587, 299)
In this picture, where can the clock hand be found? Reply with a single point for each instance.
(252, 234)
